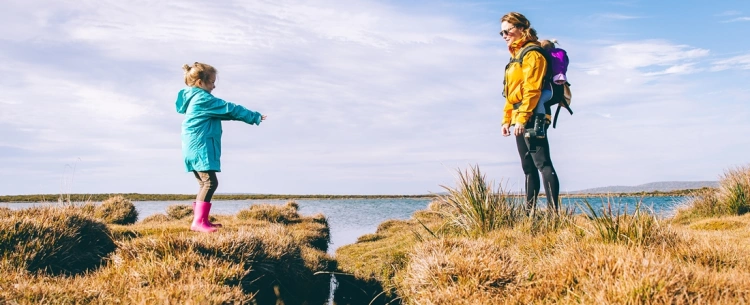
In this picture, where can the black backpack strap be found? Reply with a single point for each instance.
(525, 50)
(557, 112)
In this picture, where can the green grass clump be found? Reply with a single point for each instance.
(56, 240)
(613, 224)
(731, 198)
(117, 210)
(476, 208)
(734, 191)
(179, 211)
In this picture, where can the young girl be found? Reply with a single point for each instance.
(201, 135)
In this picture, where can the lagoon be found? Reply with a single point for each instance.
(351, 218)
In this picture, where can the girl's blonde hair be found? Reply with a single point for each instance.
(519, 21)
(548, 44)
(198, 72)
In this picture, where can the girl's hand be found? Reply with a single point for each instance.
(506, 130)
(262, 118)
(519, 129)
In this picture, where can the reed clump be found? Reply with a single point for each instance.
(116, 210)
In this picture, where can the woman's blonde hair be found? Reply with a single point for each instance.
(519, 21)
(198, 72)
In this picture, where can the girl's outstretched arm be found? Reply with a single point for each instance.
(224, 110)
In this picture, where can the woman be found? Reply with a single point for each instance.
(523, 92)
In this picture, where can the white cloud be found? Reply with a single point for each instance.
(738, 19)
(729, 13)
(676, 69)
(650, 53)
(614, 16)
(362, 97)
(741, 62)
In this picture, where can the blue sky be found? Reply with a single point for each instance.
(364, 97)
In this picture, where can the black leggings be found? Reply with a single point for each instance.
(533, 163)
(208, 183)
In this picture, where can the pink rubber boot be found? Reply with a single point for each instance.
(200, 218)
(215, 225)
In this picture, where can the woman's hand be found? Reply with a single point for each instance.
(506, 130)
(519, 130)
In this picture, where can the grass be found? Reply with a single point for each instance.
(60, 240)
(474, 245)
(116, 210)
(248, 261)
(476, 208)
(465, 250)
(731, 198)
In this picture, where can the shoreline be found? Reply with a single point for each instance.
(181, 197)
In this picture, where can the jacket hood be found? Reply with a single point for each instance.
(184, 97)
(519, 44)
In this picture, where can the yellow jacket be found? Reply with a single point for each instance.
(523, 84)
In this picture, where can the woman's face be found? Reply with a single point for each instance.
(509, 32)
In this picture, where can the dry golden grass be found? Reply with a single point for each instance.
(573, 265)
(162, 262)
(116, 210)
(179, 211)
(702, 256)
(60, 240)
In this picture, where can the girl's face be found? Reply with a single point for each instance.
(509, 32)
(208, 86)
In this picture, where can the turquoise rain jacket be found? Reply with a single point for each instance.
(201, 129)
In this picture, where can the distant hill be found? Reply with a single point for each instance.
(663, 186)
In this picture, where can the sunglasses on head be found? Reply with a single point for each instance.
(507, 32)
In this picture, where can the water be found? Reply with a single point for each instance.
(351, 218)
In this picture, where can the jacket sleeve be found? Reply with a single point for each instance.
(224, 110)
(533, 69)
(507, 113)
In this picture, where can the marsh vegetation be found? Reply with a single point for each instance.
(474, 244)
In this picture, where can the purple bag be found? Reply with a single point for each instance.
(559, 65)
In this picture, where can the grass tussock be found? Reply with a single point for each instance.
(446, 270)
(116, 210)
(248, 261)
(475, 207)
(156, 218)
(54, 241)
(732, 197)
(179, 211)
(272, 213)
(612, 223)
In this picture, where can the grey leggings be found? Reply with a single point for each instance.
(208, 184)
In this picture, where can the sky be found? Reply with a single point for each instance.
(364, 97)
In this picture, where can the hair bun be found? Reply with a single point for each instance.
(186, 68)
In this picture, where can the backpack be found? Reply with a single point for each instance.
(555, 78)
